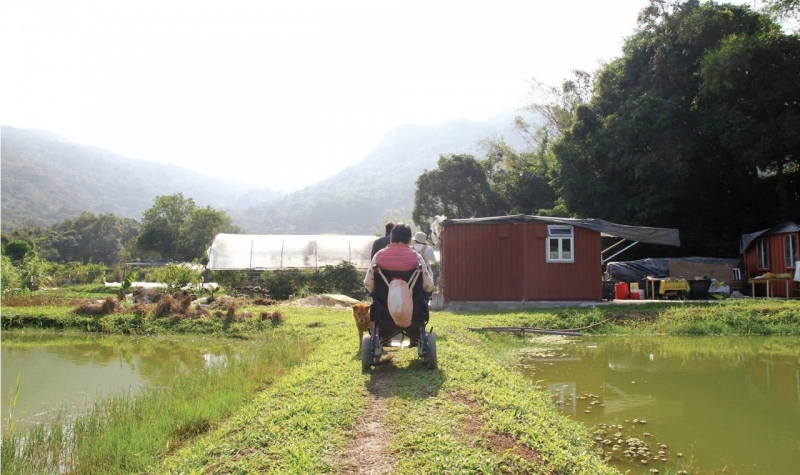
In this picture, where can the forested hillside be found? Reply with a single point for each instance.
(46, 179)
(361, 198)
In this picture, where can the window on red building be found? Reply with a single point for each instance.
(762, 249)
(790, 250)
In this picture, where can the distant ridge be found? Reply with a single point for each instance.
(380, 187)
(46, 179)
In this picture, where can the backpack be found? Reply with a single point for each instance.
(400, 301)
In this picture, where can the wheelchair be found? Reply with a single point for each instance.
(384, 327)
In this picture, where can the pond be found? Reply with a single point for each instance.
(709, 404)
(69, 372)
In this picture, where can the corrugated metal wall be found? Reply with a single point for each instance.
(508, 262)
(777, 264)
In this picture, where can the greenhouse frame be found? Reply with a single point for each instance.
(278, 251)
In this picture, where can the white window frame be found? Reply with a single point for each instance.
(762, 252)
(560, 234)
(791, 250)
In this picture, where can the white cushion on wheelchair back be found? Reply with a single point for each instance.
(400, 303)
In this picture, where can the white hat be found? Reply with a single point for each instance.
(421, 238)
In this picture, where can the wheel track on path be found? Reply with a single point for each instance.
(368, 451)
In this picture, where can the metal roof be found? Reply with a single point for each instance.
(666, 236)
(785, 227)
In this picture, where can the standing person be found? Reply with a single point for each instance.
(382, 242)
(421, 246)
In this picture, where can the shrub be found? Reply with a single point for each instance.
(95, 272)
(230, 279)
(284, 284)
(177, 276)
(36, 272)
(342, 279)
(11, 279)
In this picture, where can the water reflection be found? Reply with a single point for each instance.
(726, 402)
(69, 372)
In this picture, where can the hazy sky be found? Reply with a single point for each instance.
(284, 93)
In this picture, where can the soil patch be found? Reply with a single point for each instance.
(474, 430)
(323, 300)
(368, 451)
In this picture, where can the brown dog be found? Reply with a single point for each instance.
(361, 315)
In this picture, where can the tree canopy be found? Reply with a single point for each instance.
(457, 188)
(89, 238)
(694, 127)
(783, 8)
(505, 182)
(175, 228)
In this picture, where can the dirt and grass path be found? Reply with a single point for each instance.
(327, 416)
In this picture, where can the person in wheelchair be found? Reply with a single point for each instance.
(399, 260)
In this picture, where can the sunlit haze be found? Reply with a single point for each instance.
(283, 94)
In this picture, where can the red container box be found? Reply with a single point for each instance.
(621, 291)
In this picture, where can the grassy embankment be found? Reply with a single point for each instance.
(472, 415)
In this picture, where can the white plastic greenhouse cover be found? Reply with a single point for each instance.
(278, 251)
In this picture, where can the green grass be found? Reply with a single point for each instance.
(301, 423)
(730, 317)
(289, 427)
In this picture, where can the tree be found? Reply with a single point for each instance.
(783, 8)
(457, 188)
(16, 250)
(162, 223)
(176, 229)
(556, 105)
(652, 147)
(88, 238)
(749, 98)
(521, 181)
(199, 231)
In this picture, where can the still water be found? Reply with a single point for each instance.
(726, 404)
(69, 372)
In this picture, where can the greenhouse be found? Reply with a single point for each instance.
(277, 252)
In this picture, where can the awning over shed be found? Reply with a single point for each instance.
(783, 228)
(666, 236)
(686, 267)
(274, 251)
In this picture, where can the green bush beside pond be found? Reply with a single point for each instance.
(730, 317)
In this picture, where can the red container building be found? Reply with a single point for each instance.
(774, 250)
(529, 258)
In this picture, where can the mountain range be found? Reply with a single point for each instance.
(46, 179)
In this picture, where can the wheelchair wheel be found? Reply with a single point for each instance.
(366, 352)
(430, 358)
